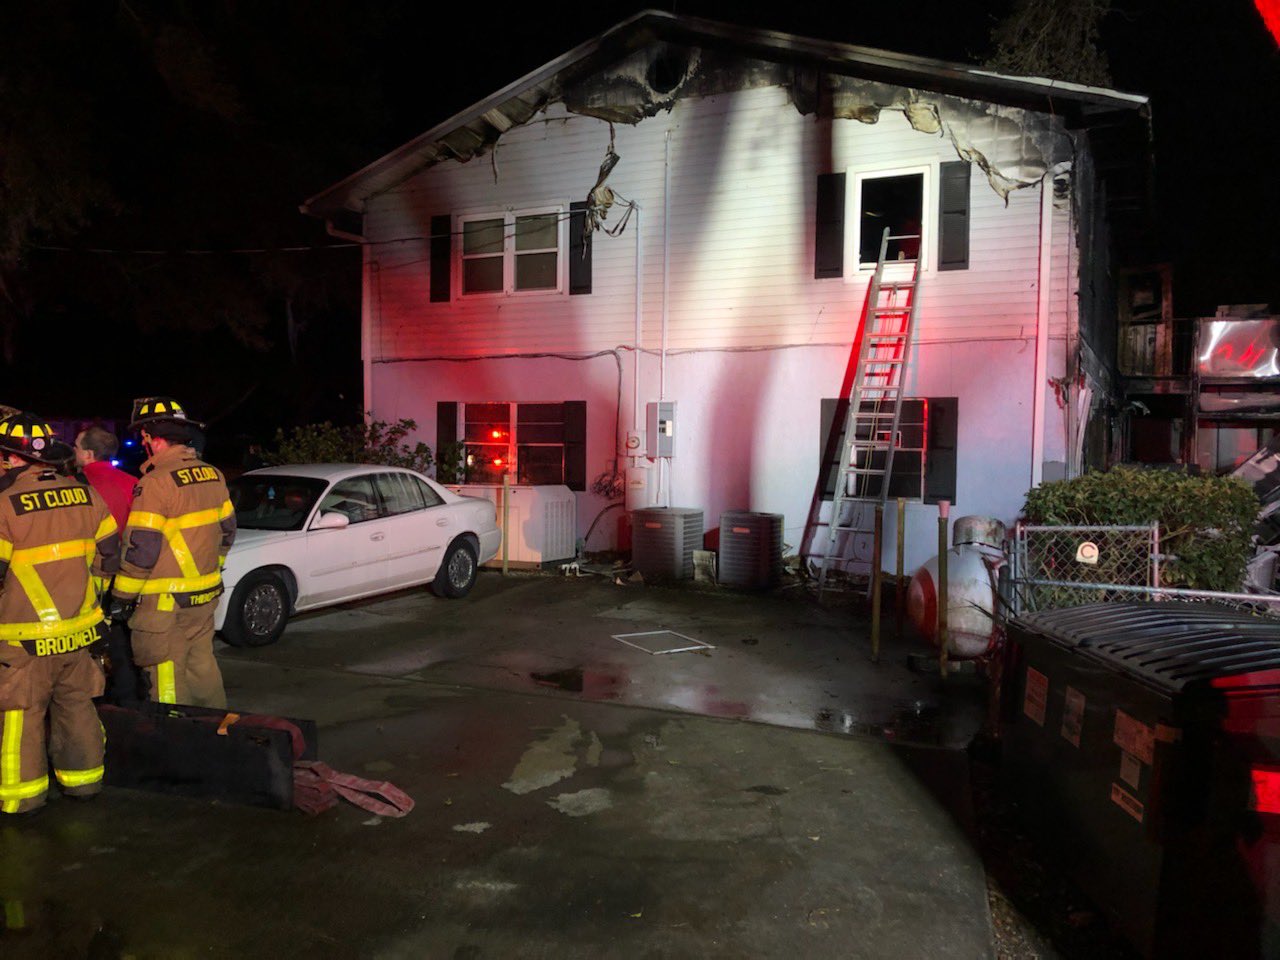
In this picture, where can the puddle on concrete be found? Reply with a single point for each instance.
(570, 679)
(595, 684)
(905, 722)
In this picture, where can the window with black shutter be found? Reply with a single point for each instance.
(828, 241)
(441, 256)
(953, 215)
(924, 457)
(533, 443)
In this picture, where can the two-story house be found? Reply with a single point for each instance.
(686, 211)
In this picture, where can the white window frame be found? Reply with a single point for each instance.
(513, 434)
(928, 214)
(509, 216)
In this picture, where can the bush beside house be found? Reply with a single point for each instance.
(1205, 522)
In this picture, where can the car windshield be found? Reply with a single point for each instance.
(273, 502)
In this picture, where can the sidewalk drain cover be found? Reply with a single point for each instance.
(655, 642)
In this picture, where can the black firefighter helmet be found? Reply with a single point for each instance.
(28, 436)
(153, 410)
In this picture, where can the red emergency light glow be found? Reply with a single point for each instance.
(497, 461)
(496, 434)
(1270, 10)
(1266, 789)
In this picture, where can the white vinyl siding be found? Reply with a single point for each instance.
(743, 169)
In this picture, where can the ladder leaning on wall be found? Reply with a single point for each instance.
(874, 412)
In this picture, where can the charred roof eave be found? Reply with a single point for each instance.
(472, 130)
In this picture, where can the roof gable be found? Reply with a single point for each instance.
(646, 63)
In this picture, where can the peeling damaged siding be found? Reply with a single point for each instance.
(744, 167)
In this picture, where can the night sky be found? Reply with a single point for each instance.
(202, 126)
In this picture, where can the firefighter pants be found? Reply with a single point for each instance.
(179, 658)
(61, 687)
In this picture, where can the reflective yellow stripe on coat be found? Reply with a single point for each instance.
(22, 564)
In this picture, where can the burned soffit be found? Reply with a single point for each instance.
(1014, 147)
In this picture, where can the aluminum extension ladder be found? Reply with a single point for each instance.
(875, 410)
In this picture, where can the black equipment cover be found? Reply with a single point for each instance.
(200, 752)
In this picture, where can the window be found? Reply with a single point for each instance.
(399, 493)
(354, 497)
(272, 501)
(532, 443)
(924, 457)
(902, 200)
(513, 252)
(897, 200)
(429, 497)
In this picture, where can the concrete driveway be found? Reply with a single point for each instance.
(576, 797)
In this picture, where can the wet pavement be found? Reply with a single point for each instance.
(575, 797)
(775, 659)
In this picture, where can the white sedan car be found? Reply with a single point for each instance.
(317, 534)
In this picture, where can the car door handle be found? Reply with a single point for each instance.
(443, 522)
(377, 536)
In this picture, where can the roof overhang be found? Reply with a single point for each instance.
(475, 128)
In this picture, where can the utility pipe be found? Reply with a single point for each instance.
(665, 467)
(1042, 329)
(635, 386)
(942, 592)
(666, 262)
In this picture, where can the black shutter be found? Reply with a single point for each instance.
(831, 442)
(441, 258)
(953, 215)
(905, 481)
(446, 423)
(828, 238)
(579, 249)
(940, 457)
(575, 444)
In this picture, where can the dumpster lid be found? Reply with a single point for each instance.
(1169, 644)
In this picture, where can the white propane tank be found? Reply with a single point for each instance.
(973, 564)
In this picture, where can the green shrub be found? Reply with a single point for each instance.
(371, 442)
(1205, 522)
(451, 462)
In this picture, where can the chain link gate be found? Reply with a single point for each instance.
(1066, 566)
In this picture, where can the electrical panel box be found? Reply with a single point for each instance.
(661, 432)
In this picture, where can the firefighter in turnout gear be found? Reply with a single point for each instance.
(58, 546)
(180, 528)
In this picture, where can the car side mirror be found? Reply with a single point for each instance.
(330, 520)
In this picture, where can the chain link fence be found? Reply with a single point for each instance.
(1062, 566)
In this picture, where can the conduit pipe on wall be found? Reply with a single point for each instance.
(666, 262)
(1042, 329)
(666, 296)
(635, 386)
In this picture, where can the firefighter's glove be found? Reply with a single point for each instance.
(119, 611)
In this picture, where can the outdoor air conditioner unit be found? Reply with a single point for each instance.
(750, 549)
(543, 522)
(663, 540)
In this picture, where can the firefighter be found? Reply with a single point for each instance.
(180, 528)
(58, 544)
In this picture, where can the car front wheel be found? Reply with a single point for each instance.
(258, 611)
(457, 574)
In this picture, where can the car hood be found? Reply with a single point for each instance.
(256, 538)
